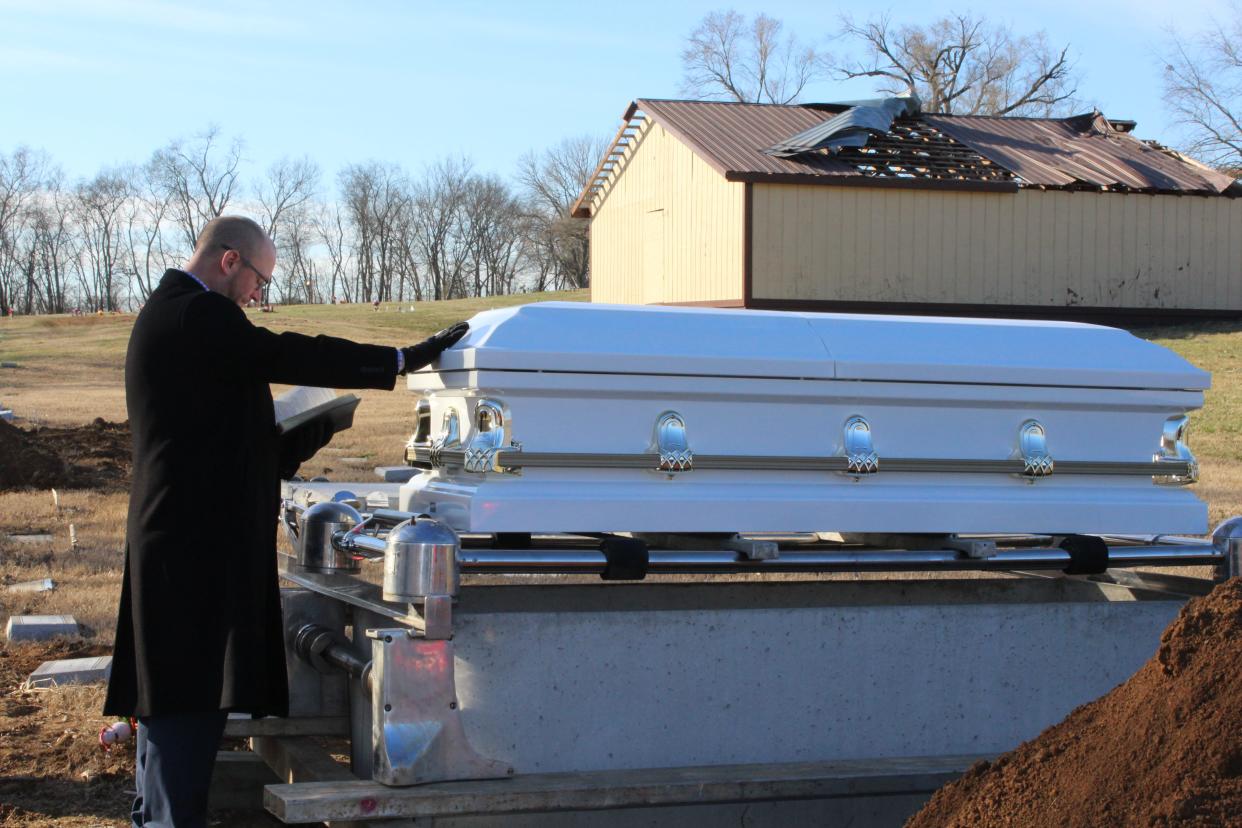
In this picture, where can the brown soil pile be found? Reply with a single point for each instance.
(94, 456)
(1163, 749)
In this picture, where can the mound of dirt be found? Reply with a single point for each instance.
(1164, 749)
(94, 456)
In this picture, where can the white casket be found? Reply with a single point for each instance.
(565, 417)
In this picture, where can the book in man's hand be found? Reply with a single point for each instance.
(305, 404)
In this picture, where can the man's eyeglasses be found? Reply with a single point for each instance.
(264, 279)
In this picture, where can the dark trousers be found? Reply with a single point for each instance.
(175, 755)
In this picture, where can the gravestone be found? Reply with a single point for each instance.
(41, 585)
(70, 671)
(40, 627)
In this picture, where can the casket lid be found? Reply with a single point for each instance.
(625, 339)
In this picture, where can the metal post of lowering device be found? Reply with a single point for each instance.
(417, 733)
(1227, 542)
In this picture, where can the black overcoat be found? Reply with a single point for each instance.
(199, 624)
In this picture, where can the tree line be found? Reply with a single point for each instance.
(102, 244)
(378, 232)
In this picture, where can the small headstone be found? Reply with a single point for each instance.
(35, 537)
(396, 474)
(70, 671)
(353, 459)
(6, 415)
(8, 365)
(40, 627)
(41, 585)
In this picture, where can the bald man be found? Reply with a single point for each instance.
(199, 630)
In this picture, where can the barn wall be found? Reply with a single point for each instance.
(1039, 248)
(667, 229)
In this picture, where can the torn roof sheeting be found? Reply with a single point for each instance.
(1062, 153)
(851, 128)
(1082, 150)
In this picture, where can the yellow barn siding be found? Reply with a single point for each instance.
(700, 219)
(1046, 248)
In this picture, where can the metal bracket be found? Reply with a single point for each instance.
(490, 440)
(860, 456)
(1033, 449)
(974, 548)
(416, 732)
(1173, 448)
(672, 444)
(747, 549)
(449, 438)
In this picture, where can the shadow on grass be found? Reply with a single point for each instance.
(27, 800)
(1187, 331)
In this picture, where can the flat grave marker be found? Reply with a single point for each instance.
(40, 627)
(70, 671)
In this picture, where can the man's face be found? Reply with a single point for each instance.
(248, 274)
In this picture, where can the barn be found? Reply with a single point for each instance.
(876, 206)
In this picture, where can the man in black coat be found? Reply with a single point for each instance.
(199, 630)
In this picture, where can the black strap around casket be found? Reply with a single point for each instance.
(1088, 554)
(626, 559)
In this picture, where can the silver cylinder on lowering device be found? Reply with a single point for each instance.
(317, 526)
(420, 561)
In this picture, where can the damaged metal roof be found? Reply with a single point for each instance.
(976, 152)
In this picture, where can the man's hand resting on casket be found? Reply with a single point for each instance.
(425, 352)
(300, 444)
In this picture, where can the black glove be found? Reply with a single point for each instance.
(425, 352)
(301, 444)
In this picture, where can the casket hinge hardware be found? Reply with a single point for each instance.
(490, 441)
(1033, 449)
(860, 456)
(672, 444)
(1174, 449)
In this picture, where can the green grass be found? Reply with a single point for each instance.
(1217, 348)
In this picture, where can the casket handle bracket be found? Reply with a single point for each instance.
(860, 456)
(672, 444)
(1174, 449)
(449, 438)
(491, 439)
(1033, 449)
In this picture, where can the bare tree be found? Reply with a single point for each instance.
(728, 58)
(200, 177)
(284, 199)
(439, 198)
(56, 246)
(100, 208)
(490, 217)
(963, 64)
(375, 196)
(551, 181)
(149, 251)
(1203, 88)
(331, 230)
(22, 176)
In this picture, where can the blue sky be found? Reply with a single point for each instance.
(98, 83)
